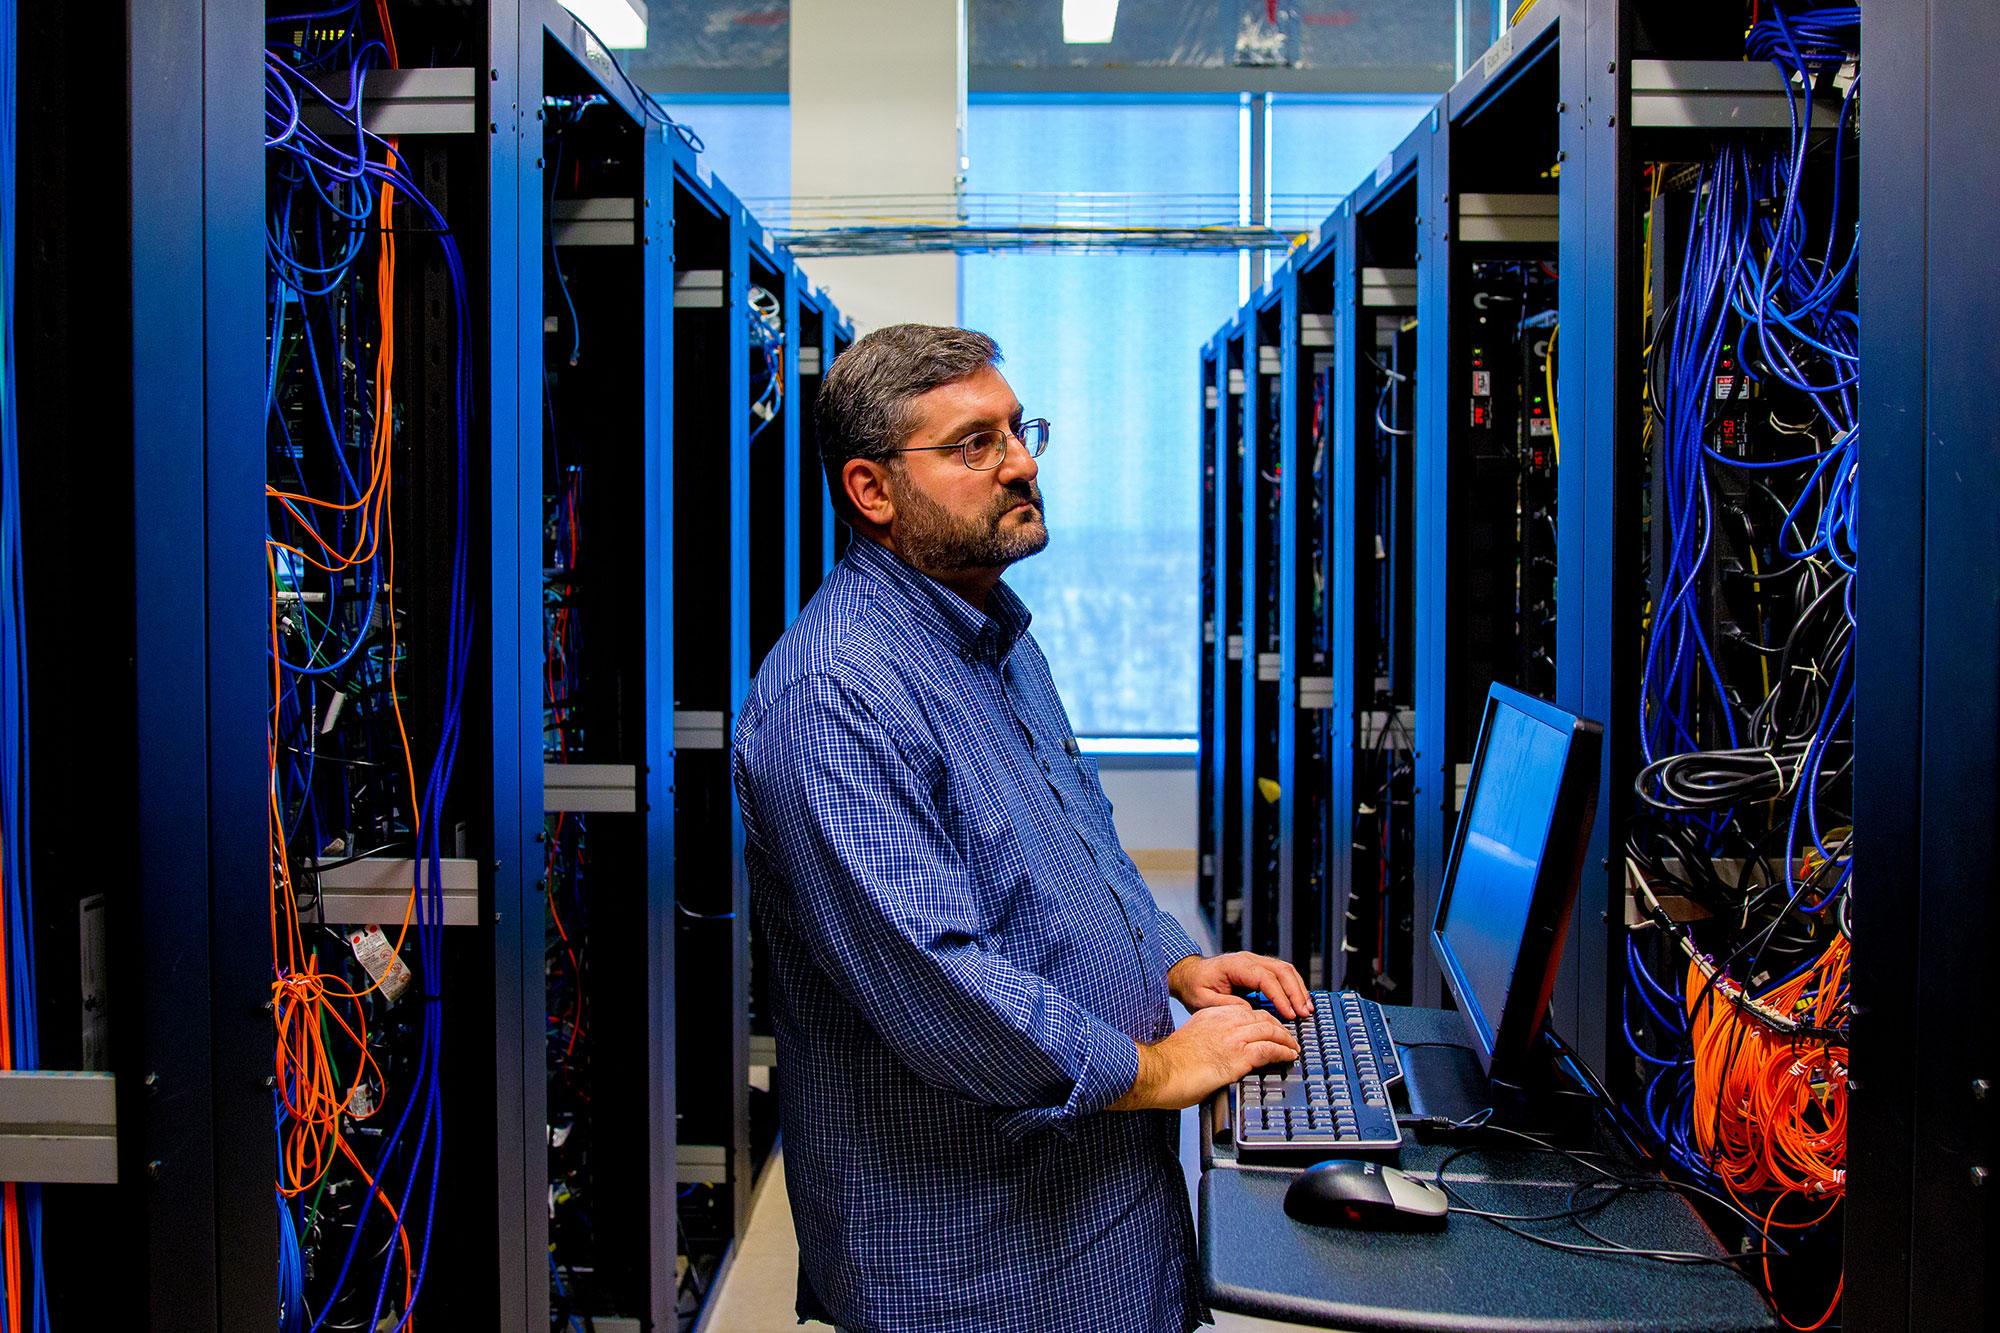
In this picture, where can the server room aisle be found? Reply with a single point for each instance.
(756, 1293)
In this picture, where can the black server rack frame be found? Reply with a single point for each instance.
(1267, 790)
(1314, 785)
(1233, 795)
(74, 798)
(605, 1128)
(1380, 478)
(1210, 736)
(816, 519)
(711, 677)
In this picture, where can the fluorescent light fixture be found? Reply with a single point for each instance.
(1089, 21)
(619, 24)
(1161, 745)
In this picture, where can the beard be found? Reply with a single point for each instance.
(939, 542)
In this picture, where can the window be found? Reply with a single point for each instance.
(746, 142)
(1105, 346)
(1330, 144)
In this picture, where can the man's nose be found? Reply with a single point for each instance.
(1019, 464)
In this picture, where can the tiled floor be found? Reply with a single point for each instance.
(756, 1294)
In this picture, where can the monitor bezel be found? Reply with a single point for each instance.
(1507, 1059)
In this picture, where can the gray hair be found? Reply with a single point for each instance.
(864, 403)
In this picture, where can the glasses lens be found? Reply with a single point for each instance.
(1035, 435)
(984, 451)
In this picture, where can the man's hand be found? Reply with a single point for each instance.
(1200, 983)
(1213, 1049)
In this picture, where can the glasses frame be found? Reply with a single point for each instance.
(1013, 435)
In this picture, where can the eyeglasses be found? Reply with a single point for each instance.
(985, 450)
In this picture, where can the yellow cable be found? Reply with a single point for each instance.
(1549, 379)
(1757, 589)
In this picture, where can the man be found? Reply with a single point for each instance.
(980, 1076)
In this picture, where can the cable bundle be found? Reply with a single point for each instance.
(1770, 1108)
(343, 772)
(23, 1299)
(1747, 690)
(767, 335)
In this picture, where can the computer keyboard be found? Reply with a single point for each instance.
(1335, 1097)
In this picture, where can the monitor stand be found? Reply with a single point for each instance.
(1444, 1086)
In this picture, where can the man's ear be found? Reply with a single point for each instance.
(867, 485)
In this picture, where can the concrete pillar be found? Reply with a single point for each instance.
(878, 106)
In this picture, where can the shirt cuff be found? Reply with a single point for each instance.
(1110, 1068)
(1171, 943)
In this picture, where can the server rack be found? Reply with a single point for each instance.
(1647, 193)
(824, 333)
(773, 440)
(1542, 152)
(215, 442)
(650, 248)
(1209, 740)
(1234, 791)
(1921, 1128)
(1488, 287)
(1267, 740)
(777, 508)
(816, 518)
(711, 678)
(1382, 450)
(606, 1111)
(1306, 692)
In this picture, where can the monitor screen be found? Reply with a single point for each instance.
(1510, 810)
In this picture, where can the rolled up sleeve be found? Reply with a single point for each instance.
(885, 905)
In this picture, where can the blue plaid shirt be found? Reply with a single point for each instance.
(961, 959)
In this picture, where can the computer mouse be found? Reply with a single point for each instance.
(1366, 1195)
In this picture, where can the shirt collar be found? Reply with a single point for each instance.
(986, 636)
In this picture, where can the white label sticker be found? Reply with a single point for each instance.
(391, 973)
(1496, 54)
(1384, 170)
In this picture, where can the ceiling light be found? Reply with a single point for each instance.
(1089, 21)
(620, 24)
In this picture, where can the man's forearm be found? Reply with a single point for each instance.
(1144, 1093)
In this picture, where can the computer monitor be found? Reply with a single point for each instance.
(1510, 882)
